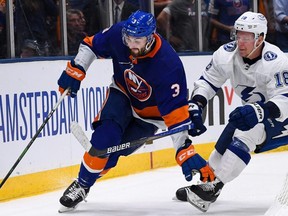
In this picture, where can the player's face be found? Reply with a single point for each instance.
(245, 41)
(136, 45)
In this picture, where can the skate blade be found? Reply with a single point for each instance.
(176, 199)
(197, 202)
(63, 209)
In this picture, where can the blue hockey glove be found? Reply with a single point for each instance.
(196, 117)
(71, 77)
(190, 162)
(246, 117)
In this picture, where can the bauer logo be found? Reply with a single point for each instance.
(118, 148)
(269, 56)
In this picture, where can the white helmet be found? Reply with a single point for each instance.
(252, 22)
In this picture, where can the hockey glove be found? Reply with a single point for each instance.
(246, 117)
(192, 162)
(195, 112)
(71, 77)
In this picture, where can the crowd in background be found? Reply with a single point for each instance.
(37, 24)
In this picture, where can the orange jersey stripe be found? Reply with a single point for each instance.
(89, 40)
(176, 116)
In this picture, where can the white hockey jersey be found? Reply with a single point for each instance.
(265, 80)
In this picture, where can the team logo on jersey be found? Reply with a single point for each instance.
(230, 47)
(248, 94)
(137, 86)
(269, 56)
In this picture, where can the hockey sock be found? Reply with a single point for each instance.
(233, 161)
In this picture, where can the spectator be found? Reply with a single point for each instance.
(122, 10)
(30, 48)
(31, 19)
(223, 15)
(178, 23)
(90, 9)
(159, 5)
(281, 17)
(75, 30)
(92, 16)
(267, 9)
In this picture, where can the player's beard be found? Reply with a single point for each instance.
(137, 52)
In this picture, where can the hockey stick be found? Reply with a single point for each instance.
(35, 136)
(84, 141)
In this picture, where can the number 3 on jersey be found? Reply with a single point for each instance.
(176, 89)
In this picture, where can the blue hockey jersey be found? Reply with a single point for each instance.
(155, 83)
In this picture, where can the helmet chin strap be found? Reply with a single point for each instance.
(255, 47)
(149, 45)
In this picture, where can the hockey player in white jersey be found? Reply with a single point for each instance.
(258, 72)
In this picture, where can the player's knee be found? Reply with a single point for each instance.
(240, 149)
(106, 133)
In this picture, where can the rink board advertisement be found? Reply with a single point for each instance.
(29, 91)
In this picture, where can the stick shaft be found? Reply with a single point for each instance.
(34, 137)
(79, 134)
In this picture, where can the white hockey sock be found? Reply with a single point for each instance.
(229, 167)
(214, 159)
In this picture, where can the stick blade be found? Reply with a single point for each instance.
(80, 136)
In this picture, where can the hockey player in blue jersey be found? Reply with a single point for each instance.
(148, 92)
(258, 72)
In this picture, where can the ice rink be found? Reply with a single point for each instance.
(150, 193)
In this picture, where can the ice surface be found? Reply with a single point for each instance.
(150, 193)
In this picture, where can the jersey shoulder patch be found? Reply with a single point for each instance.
(230, 47)
(269, 56)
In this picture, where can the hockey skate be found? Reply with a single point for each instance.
(202, 195)
(72, 196)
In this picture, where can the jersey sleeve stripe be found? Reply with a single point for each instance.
(176, 116)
